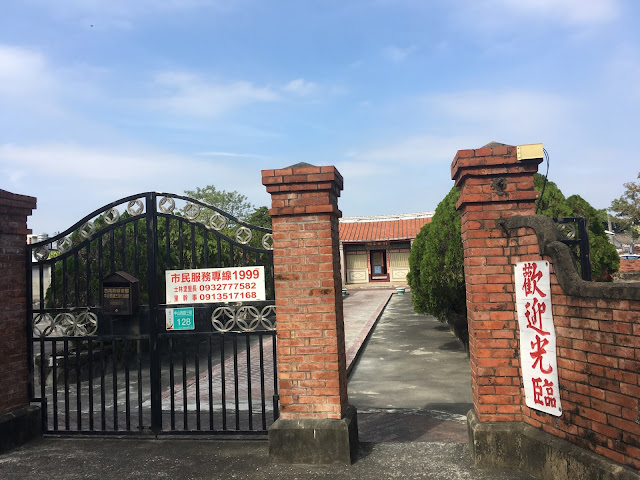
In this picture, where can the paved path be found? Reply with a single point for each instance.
(415, 355)
(362, 308)
(412, 382)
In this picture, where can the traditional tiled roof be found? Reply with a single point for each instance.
(383, 227)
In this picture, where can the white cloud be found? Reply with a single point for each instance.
(466, 120)
(188, 94)
(80, 163)
(623, 73)
(301, 87)
(123, 6)
(416, 150)
(24, 73)
(501, 16)
(76, 166)
(357, 168)
(231, 155)
(515, 114)
(569, 11)
(397, 54)
(122, 13)
(33, 88)
(71, 179)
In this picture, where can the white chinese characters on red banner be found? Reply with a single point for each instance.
(213, 285)
(537, 337)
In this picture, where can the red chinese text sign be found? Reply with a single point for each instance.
(537, 337)
(211, 285)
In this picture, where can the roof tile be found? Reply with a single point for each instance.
(381, 230)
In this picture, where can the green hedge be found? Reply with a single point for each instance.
(436, 261)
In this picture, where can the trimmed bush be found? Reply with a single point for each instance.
(436, 262)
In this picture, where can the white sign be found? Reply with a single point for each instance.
(537, 337)
(209, 285)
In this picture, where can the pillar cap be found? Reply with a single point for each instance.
(18, 208)
(303, 177)
(303, 189)
(495, 163)
(17, 200)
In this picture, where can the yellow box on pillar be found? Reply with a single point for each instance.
(529, 151)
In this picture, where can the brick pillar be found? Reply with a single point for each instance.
(18, 421)
(316, 425)
(493, 185)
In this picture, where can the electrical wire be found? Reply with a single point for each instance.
(546, 178)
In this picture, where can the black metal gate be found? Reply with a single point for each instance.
(576, 235)
(98, 371)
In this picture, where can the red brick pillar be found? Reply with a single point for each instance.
(315, 425)
(493, 185)
(18, 421)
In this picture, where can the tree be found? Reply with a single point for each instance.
(628, 207)
(436, 274)
(419, 294)
(436, 261)
(233, 203)
(552, 203)
(605, 260)
(259, 217)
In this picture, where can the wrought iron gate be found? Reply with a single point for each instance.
(576, 235)
(97, 372)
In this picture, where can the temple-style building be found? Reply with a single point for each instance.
(376, 249)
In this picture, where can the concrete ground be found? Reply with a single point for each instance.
(410, 385)
(362, 309)
(119, 459)
(412, 381)
(413, 354)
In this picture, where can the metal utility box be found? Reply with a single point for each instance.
(530, 151)
(120, 294)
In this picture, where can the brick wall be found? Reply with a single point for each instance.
(14, 210)
(629, 271)
(310, 325)
(629, 265)
(597, 326)
(492, 322)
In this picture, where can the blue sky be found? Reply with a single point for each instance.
(101, 99)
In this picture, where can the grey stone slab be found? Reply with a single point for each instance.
(117, 459)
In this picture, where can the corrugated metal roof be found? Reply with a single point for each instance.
(383, 228)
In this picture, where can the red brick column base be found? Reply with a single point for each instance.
(493, 185)
(18, 421)
(316, 425)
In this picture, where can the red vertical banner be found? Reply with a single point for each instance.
(537, 337)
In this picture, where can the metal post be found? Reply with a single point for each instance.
(582, 242)
(585, 250)
(152, 288)
(29, 322)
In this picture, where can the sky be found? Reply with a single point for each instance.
(101, 99)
